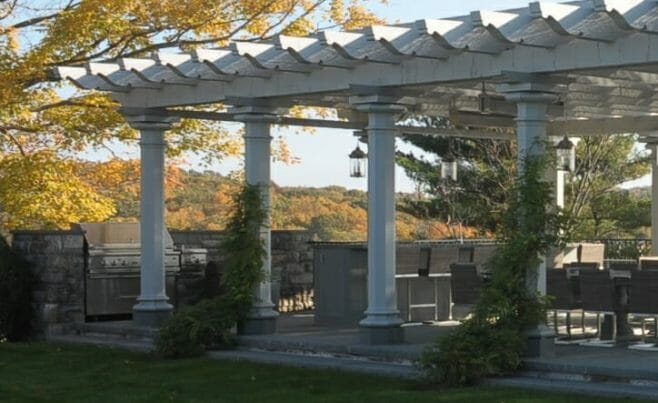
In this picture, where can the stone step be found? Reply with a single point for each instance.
(589, 373)
(132, 345)
(321, 361)
(402, 353)
(608, 389)
(120, 330)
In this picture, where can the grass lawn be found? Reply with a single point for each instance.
(44, 372)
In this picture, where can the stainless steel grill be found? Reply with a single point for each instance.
(112, 267)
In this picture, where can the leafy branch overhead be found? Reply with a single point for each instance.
(50, 119)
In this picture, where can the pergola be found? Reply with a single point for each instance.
(516, 69)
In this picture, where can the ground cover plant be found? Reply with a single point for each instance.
(62, 373)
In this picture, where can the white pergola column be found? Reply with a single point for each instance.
(382, 322)
(257, 121)
(652, 144)
(152, 307)
(532, 101)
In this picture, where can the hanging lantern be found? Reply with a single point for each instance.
(449, 167)
(358, 160)
(566, 155)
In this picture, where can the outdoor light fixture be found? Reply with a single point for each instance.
(358, 160)
(449, 167)
(566, 155)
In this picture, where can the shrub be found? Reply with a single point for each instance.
(196, 328)
(208, 324)
(17, 283)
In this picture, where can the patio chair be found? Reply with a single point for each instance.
(648, 263)
(597, 294)
(465, 287)
(413, 260)
(465, 254)
(561, 288)
(424, 261)
(573, 270)
(627, 265)
(643, 299)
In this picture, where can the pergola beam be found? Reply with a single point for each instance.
(347, 125)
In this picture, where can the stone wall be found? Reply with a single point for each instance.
(292, 263)
(57, 258)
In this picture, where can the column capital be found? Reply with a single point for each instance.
(532, 97)
(148, 119)
(525, 87)
(378, 104)
(259, 114)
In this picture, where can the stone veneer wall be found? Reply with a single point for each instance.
(57, 258)
(292, 263)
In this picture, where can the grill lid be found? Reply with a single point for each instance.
(116, 235)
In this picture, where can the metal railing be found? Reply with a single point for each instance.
(625, 248)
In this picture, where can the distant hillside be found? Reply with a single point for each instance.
(203, 200)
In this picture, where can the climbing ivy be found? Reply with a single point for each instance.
(208, 323)
(492, 341)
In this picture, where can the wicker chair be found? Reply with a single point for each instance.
(561, 289)
(597, 294)
(465, 283)
(643, 298)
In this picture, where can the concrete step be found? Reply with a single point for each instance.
(122, 330)
(566, 370)
(321, 361)
(609, 389)
(588, 379)
(132, 345)
(402, 353)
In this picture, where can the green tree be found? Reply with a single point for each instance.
(487, 170)
(618, 214)
(593, 198)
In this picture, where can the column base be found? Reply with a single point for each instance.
(540, 343)
(257, 326)
(261, 320)
(150, 316)
(381, 335)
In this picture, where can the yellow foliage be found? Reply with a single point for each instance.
(36, 122)
(43, 191)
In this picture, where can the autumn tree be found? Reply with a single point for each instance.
(48, 123)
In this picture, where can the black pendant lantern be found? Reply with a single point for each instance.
(449, 167)
(358, 160)
(566, 155)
